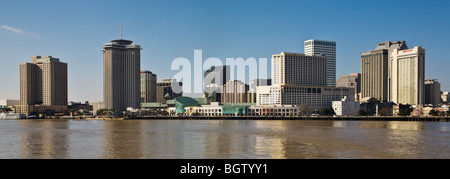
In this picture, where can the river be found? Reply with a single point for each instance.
(228, 139)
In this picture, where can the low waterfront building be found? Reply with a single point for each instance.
(313, 98)
(9, 102)
(274, 110)
(40, 109)
(80, 106)
(345, 107)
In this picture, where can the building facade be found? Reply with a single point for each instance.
(445, 97)
(121, 74)
(346, 107)
(44, 82)
(43, 85)
(214, 80)
(274, 110)
(376, 70)
(351, 81)
(164, 90)
(408, 76)
(234, 91)
(328, 49)
(298, 68)
(148, 87)
(309, 97)
(374, 74)
(432, 92)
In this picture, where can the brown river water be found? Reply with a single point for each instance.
(230, 139)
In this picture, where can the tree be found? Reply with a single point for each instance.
(327, 111)
(101, 111)
(304, 108)
(384, 112)
(433, 112)
(404, 112)
(363, 112)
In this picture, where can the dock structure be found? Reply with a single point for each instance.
(330, 118)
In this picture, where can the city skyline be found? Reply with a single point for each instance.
(221, 29)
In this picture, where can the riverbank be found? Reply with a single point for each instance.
(315, 118)
(336, 118)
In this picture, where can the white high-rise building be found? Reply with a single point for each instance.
(408, 76)
(298, 68)
(300, 80)
(328, 49)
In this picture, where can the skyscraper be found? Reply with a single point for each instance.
(408, 76)
(214, 80)
(164, 90)
(298, 68)
(148, 87)
(235, 91)
(432, 92)
(43, 82)
(351, 81)
(300, 80)
(328, 49)
(376, 70)
(43, 86)
(121, 74)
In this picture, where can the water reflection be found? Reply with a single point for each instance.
(223, 139)
(43, 139)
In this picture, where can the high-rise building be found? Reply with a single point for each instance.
(432, 92)
(298, 68)
(445, 97)
(408, 76)
(43, 85)
(214, 80)
(376, 70)
(351, 81)
(235, 91)
(164, 90)
(121, 74)
(148, 87)
(328, 49)
(300, 80)
(44, 82)
(218, 75)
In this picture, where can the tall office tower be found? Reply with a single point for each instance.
(214, 79)
(164, 90)
(217, 75)
(43, 82)
(235, 91)
(148, 87)
(327, 48)
(351, 81)
(408, 76)
(432, 92)
(121, 72)
(297, 68)
(376, 70)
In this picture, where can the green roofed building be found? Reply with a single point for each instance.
(182, 102)
(234, 109)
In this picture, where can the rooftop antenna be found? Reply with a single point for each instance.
(121, 32)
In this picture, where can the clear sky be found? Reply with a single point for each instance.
(76, 30)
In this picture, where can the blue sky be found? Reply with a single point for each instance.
(76, 30)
